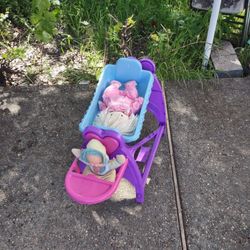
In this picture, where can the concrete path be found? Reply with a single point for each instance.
(211, 137)
(211, 131)
(39, 126)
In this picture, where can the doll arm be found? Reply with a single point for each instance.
(136, 105)
(76, 152)
(131, 90)
(102, 105)
(116, 162)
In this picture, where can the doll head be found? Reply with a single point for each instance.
(94, 156)
(94, 160)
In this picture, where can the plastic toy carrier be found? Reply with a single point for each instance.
(123, 71)
(90, 189)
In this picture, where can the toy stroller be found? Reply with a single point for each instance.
(91, 190)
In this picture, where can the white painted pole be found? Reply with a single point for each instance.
(211, 32)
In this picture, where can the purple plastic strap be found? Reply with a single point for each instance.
(143, 154)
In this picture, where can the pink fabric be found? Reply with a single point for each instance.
(126, 101)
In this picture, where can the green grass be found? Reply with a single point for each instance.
(244, 56)
(166, 31)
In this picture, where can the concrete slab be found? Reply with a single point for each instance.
(225, 61)
(211, 131)
(39, 126)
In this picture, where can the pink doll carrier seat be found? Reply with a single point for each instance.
(90, 189)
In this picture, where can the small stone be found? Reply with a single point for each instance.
(56, 70)
(2, 196)
(83, 82)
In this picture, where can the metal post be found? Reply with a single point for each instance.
(246, 29)
(211, 32)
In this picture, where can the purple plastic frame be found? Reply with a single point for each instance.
(145, 154)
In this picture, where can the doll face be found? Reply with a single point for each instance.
(94, 160)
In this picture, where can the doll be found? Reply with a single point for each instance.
(97, 161)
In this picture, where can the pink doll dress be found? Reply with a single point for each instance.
(127, 101)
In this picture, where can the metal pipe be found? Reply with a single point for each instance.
(211, 32)
(246, 29)
(175, 178)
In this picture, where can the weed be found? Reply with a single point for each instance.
(178, 48)
(8, 51)
(244, 57)
(18, 10)
(168, 32)
(44, 19)
(74, 76)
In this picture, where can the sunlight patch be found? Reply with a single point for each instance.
(183, 110)
(135, 211)
(48, 90)
(100, 220)
(2, 196)
(13, 107)
(158, 160)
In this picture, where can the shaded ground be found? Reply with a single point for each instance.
(211, 136)
(39, 126)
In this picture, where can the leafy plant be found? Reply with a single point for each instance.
(13, 53)
(74, 76)
(44, 18)
(126, 36)
(244, 56)
(178, 48)
(5, 27)
(17, 9)
(8, 51)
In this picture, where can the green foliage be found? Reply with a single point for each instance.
(18, 9)
(115, 35)
(9, 52)
(165, 30)
(74, 76)
(177, 48)
(244, 56)
(4, 26)
(44, 19)
(13, 53)
(104, 17)
(90, 70)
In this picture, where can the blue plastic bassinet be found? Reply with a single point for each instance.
(124, 70)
